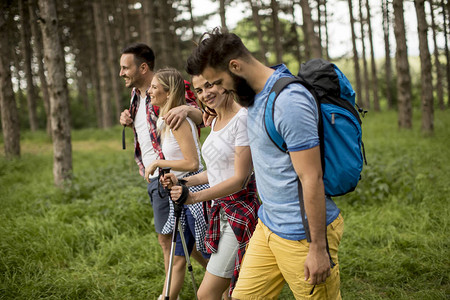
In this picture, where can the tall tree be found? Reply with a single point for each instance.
(425, 63)
(366, 81)
(37, 35)
(376, 100)
(26, 47)
(191, 20)
(355, 54)
(437, 63)
(147, 28)
(277, 31)
(447, 52)
(296, 42)
(256, 19)
(8, 107)
(126, 24)
(222, 13)
(325, 25)
(313, 48)
(404, 94)
(112, 60)
(177, 61)
(59, 96)
(387, 52)
(101, 63)
(165, 38)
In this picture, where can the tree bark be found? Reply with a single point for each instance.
(298, 53)
(404, 95)
(277, 32)
(148, 29)
(191, 20)
(164, 33)
(366, 81)
(8, 107)
(313, 42)
(325, 24)
(126, 22)
(222, 14)
(387, 53)
(32, 6)
(257, 21)
(112, 62)
(101, 63)
(437, 63)
(26, 47)
(447, 52)
(355, 55)
(376, 100)
(59, 96)
(425, 62)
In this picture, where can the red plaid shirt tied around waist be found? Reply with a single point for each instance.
(241, 209)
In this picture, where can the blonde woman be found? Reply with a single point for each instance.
(180, 152)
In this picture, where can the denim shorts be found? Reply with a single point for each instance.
(160, 202)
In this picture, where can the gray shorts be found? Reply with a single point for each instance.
(222, 262)
(160, 202)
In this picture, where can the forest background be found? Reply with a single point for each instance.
(75, 218)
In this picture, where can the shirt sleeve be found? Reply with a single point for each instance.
(240, 129)
(296, 118)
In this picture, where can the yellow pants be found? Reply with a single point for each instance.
(270, 261)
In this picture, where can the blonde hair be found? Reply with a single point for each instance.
(172, 83)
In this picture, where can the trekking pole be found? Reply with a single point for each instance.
(177, 209)
(188, 259)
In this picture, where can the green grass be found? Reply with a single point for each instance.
(95, 239)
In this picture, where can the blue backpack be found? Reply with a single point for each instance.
(342, 149)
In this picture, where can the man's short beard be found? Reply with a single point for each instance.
(246, 95)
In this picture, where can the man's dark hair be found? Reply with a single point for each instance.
(142, 54)
(216, 49)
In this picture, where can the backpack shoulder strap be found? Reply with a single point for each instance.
(269, 111)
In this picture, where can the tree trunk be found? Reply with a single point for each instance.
(376, 100)
(447, 52)
(313, 42)
(325, 23)
(222, 14)
(177, 61)
(257, 21)
(112, 63)
(26, 47)
(402, 65)
(355, 55)
(191, 20)
(101, 63)
(9, 114)
(32, 6)
(366, 81)
(297, 51)
(277, 31)
(425, 62)
(437, 63)
(59, 96)
(164, 33)
(148, 29)
(387, 53)
(126, 22)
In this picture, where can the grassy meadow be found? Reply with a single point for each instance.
(95, 239)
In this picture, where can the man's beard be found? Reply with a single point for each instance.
(246, 95)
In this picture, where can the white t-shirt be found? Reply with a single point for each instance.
(170, 147)
(219, 147)
(143, 136)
